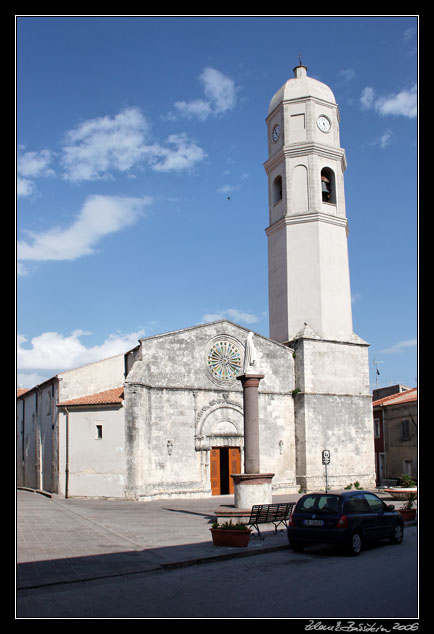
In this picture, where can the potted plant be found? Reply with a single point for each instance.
(406, 487)
(408, 512)
(229, 534)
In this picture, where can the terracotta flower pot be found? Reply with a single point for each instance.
(407, 514)
(227, 537)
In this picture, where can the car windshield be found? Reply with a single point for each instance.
(319, 504)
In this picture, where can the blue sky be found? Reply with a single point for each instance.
(141, 192)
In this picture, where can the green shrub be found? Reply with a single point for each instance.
(230, 526)
(406, 481)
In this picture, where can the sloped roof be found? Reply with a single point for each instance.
(407, 396)
(22, 390)
(208, 324)
(115, 396)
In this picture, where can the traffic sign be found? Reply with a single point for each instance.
(326, 456)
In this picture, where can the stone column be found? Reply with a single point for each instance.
(250, 383)
(252, 486)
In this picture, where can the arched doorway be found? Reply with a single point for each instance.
(219, 438)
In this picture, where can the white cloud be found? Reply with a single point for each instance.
(403, 103)
(410, 34)
(410, 40)
(384, 140)
(32, 165)
(99, 216)
(53, 351)
(400, 346)
(347, 75)
(219, 89)
(232, 314)
(199, 109)
(29, 380)
(182, 155)
(25, 187)
(97, 146)
(220, 93)
(367, 97)
(228, 189)
(21, 269)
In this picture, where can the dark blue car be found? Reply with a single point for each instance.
(349, 519)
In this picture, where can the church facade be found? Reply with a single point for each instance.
(178, 426)
(184, 412)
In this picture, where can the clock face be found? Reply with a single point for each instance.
(323, 123)
(276, 132)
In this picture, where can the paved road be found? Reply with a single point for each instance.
(120, 559)
(319, 583)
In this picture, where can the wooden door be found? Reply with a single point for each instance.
(215, 471)
(234, 465)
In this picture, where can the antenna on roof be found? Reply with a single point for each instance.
(299, 60)
(377, 372)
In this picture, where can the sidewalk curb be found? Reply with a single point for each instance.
(172, 565)
(223, 557)
(40, 491)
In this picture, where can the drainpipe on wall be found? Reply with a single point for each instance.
(66, 452)
(38, 448)
(23, 454)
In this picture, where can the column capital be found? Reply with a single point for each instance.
(250, 380)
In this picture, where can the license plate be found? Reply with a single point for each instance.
(313, 522)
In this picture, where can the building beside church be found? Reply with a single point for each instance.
(57, 428)
(395, 433)
(166, 418)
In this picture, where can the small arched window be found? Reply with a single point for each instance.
(277, 189)
(328, 188)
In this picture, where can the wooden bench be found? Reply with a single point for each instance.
(270, 514)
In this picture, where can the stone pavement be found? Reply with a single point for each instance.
(60, 541)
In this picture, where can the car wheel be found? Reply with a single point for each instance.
(296, 546)
(398, 534)
(355, 546)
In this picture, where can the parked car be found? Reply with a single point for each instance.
(349, 519)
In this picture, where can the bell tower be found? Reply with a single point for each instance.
(309, 285)
(307, 235)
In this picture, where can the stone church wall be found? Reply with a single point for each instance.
(333, 411)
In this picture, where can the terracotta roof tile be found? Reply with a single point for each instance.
(396, 399)
(21, 391)
(114, 396)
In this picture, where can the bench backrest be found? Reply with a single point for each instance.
(270, 512)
